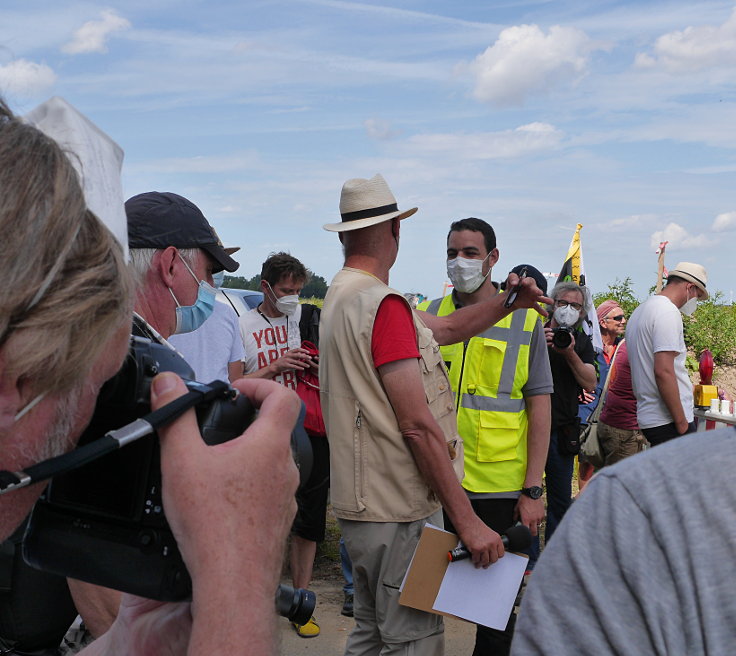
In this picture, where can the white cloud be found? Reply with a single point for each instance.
(693, 48)
(92, 36)
(25, 78)
(379, 129)
(678, 238)
(524, 140)
(725, 221)
(626, 223)
(524, 60)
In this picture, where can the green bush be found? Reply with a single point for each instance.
(713, 326)
(313, 300)
(620, 291)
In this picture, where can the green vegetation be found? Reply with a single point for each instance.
(313, 300)
(620, 291)
(713, 326)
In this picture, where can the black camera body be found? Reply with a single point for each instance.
(561, 337)
(104, 523)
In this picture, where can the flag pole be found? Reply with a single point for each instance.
(661, 271)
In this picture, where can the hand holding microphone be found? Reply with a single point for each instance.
(517, 538)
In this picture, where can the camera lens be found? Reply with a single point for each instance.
(561, 338)
(296, 604)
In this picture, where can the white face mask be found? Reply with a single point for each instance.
(690, 306)
(286, 304)
(466, 275)
(566, 317)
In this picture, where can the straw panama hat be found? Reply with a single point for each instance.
(365, 203)
(694, 273)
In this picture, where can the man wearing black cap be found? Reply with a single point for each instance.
(174, 251)
(502, 383)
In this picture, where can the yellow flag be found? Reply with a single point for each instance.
(572, 268)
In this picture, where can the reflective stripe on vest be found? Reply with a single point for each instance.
(491, 370)
(517, 333)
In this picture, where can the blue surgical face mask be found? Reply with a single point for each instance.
(191, 317)
(219, 278)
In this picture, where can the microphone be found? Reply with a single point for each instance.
(517, 538)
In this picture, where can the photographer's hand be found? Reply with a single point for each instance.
(231, 507)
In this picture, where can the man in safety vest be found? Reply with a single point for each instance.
(501, 379)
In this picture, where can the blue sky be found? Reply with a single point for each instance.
(532, 115)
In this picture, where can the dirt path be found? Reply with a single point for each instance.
(459, 635)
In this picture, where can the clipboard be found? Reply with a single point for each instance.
(427, 569)
(481, 596)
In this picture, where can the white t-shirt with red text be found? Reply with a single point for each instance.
(266, 339)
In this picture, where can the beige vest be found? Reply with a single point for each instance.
(373, 475)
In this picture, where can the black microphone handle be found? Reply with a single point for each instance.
(517, 538)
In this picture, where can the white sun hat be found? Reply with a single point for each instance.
(694, 273)
(365, 203)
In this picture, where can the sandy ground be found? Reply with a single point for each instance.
(459, 635)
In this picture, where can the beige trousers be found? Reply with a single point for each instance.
(381, 552)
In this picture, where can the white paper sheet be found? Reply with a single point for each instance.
(483, 596)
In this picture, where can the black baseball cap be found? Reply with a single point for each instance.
(532, 272)
(161, 219)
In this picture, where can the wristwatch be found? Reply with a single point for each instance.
(533, 492)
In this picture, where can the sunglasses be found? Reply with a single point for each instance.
(618, 317)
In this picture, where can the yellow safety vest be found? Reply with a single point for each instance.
(487, 375)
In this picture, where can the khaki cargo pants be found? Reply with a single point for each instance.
(381, 553)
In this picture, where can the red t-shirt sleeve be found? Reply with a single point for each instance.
(394, 336)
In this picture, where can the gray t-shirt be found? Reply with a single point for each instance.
(644, 561)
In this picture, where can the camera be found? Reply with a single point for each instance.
(561, 337)
(104, 522)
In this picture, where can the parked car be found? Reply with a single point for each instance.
(241, 300)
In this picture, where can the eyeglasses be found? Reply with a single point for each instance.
(618, 317)
(574, 306)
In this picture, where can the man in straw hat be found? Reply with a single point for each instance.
(664, 393)
(390, 417)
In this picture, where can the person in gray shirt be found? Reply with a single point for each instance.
(645, 560)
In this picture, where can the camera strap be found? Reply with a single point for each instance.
(116, 439)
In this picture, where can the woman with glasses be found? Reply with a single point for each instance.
(618, 430)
